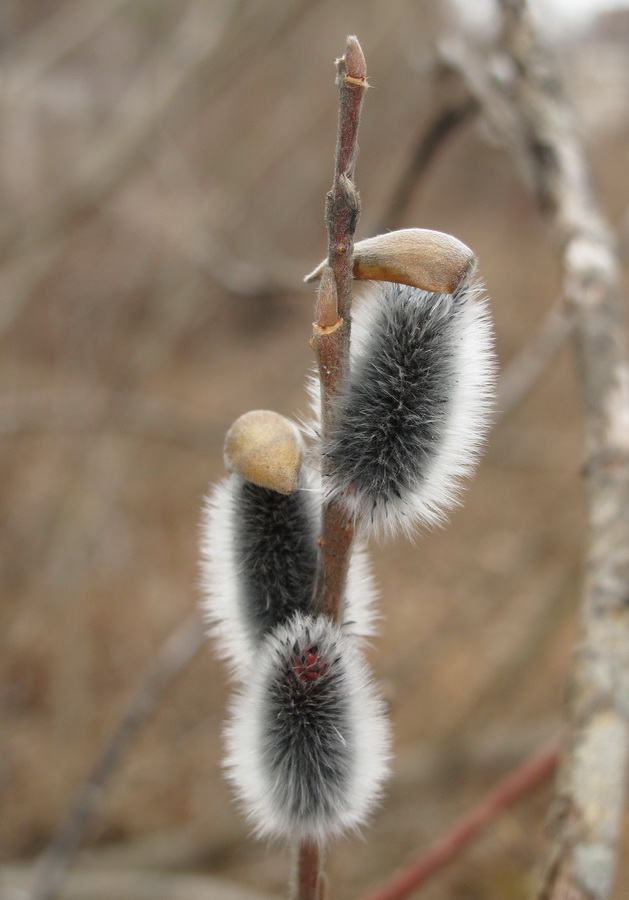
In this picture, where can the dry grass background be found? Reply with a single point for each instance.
(163, 168)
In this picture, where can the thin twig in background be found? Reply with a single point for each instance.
(529, 775)
(156, 90)
(194, 51)
(25, 61)
(539, 127)
(447, 120)
(175, 654)
(529, 364)
(142, 416)
(94, 884)
(129, 414)
(116, 153)
(122, 144)
(525, 369)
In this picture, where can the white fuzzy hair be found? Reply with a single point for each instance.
(307, 767)
(223, 602)
(466, 330)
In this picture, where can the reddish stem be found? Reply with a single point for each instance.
(309, 884)
(516, 784)
(343, 201)
(331, 332)
(331, 345)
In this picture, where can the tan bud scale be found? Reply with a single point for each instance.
(266, 448)
(430, 260)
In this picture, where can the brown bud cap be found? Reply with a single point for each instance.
(355, 65)
(430, 260)
(265, 448)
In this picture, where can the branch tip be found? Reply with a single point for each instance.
(355, 64)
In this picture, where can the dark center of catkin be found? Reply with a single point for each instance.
(306, 664)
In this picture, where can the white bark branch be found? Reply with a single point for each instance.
(526, 106)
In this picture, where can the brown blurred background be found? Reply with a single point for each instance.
(163, 173)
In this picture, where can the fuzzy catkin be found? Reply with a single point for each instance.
(258, 565)
(415, 409)
(308, 741)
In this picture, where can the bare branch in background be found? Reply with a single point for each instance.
(131, 885)
(193, 51)
(142, 416)
(115, 155)
(129, 414)
(43, 47)
(122, 146)
(175, 654)
(446, 122)
(525, 778)
(527, 367)
(528, 109)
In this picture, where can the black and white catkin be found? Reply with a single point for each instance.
(259, 555)
(308, 741)
(415, 410)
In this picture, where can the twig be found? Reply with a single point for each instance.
(121, 146)
(539, 127)
(330, 342)
(515, 785)
(310, 878)
(530, 363)
(29, 59)
(134, 415)
(330, 339)
(447, 120)
(26, 256)
(175, 654)
(217, 55)
(96, 884)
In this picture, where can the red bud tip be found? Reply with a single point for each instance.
(355, 65)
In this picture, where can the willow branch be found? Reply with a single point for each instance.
(333, 314)
(310, 880)
(515, 785)
(539, 128)
(591, 787)
(330, 341)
